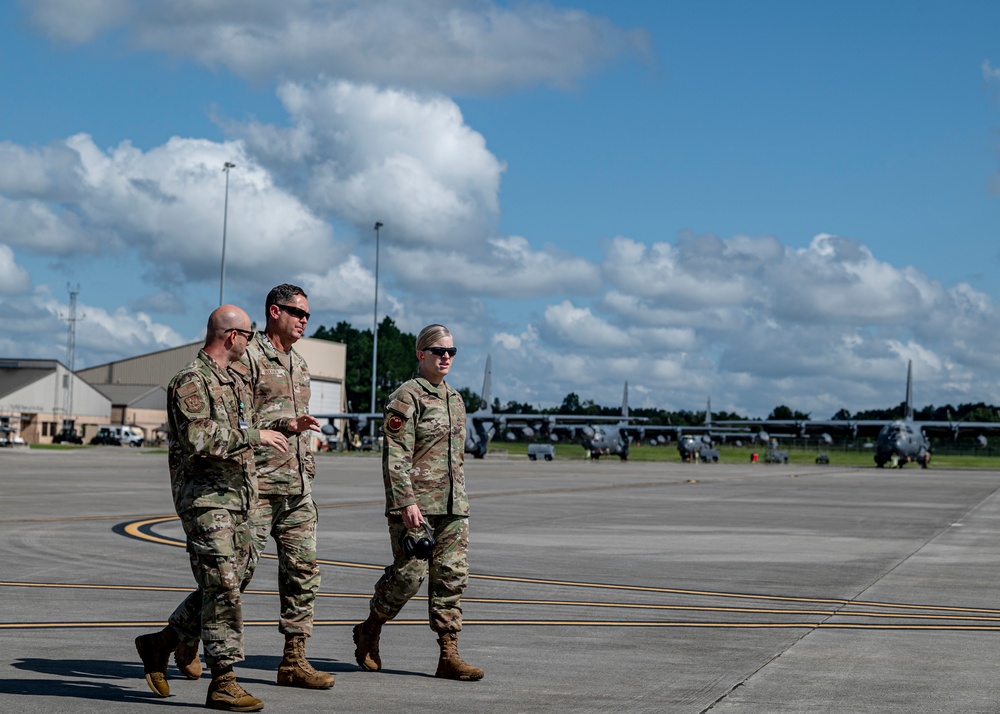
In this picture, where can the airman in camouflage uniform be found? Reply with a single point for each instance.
(422, 467)
(213, 486)
(279, 379)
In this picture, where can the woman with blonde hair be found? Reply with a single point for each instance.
(426, 505)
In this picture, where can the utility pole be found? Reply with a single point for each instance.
(70, 353)
(225, 216)
(378, 226)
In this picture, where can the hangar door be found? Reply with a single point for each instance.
(325, 397)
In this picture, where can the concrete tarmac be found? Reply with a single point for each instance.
(597, 587)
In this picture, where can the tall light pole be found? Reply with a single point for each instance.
(378, 225)
(225, 215)
(70, 354)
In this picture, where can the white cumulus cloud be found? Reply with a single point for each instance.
(13, 278)
(457, 46)
(363, 154)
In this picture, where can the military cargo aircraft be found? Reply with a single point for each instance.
(697, 448)
(897, 442)
(601, 435)
(610, 440)
(693, 442)
(615, 439)
(697, 443)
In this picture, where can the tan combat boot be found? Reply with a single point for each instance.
(450, 665)
(187, 660)
(154, 650)
(366, 637)
(225, 693)
(295, 670)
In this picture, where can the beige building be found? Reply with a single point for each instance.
(37, 395)
(136, 386)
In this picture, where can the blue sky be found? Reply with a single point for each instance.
(763, 203)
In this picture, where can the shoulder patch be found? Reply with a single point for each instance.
(401, 408)
(194, 404)
(393, 424)
(191, 397)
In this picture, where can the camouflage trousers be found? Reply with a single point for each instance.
(218, 543)
(291, 521)
(448, 569)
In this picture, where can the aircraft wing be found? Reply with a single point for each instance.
(359, 420)
(863, 427)
(566, 418)
(872, 427)
(797, 428)
(954, 428)
(352, 416)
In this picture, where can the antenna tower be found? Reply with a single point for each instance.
(71, 350)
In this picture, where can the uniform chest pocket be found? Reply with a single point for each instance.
(431, 429)
(223, 401)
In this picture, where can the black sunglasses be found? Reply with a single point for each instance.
(246, 333)
(442, 351)
(296, 312)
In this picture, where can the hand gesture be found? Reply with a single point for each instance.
(275, 439)
(306, 422)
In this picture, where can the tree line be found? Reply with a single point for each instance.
(397, 363)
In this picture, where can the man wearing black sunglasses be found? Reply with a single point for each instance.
(279, 379)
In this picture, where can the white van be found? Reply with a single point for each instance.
(120, 434)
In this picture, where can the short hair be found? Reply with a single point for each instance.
(282, 294)
(431, 334)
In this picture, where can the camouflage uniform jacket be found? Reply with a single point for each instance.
(278, 396)
(423, 449)
(210, 451)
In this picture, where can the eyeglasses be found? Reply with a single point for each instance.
(297, 312)
(442, 351)
(246, 333)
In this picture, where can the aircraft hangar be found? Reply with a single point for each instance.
(137, 385)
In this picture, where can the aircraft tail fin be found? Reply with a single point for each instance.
(487, 385)
(708, 412)
(908, 409)
(625, 401)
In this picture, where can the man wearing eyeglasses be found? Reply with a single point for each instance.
(211, 459)
(279, 379)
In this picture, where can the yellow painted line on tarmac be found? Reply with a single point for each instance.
(139, 530)
(73, 519)
(78, 586)
(740, 596)
(135, 530)
(142, 519)
(547, 623)
(556, 603)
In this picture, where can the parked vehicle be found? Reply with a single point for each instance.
(545, 451)
(67, 436)
(118, 435)
(776, 456)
